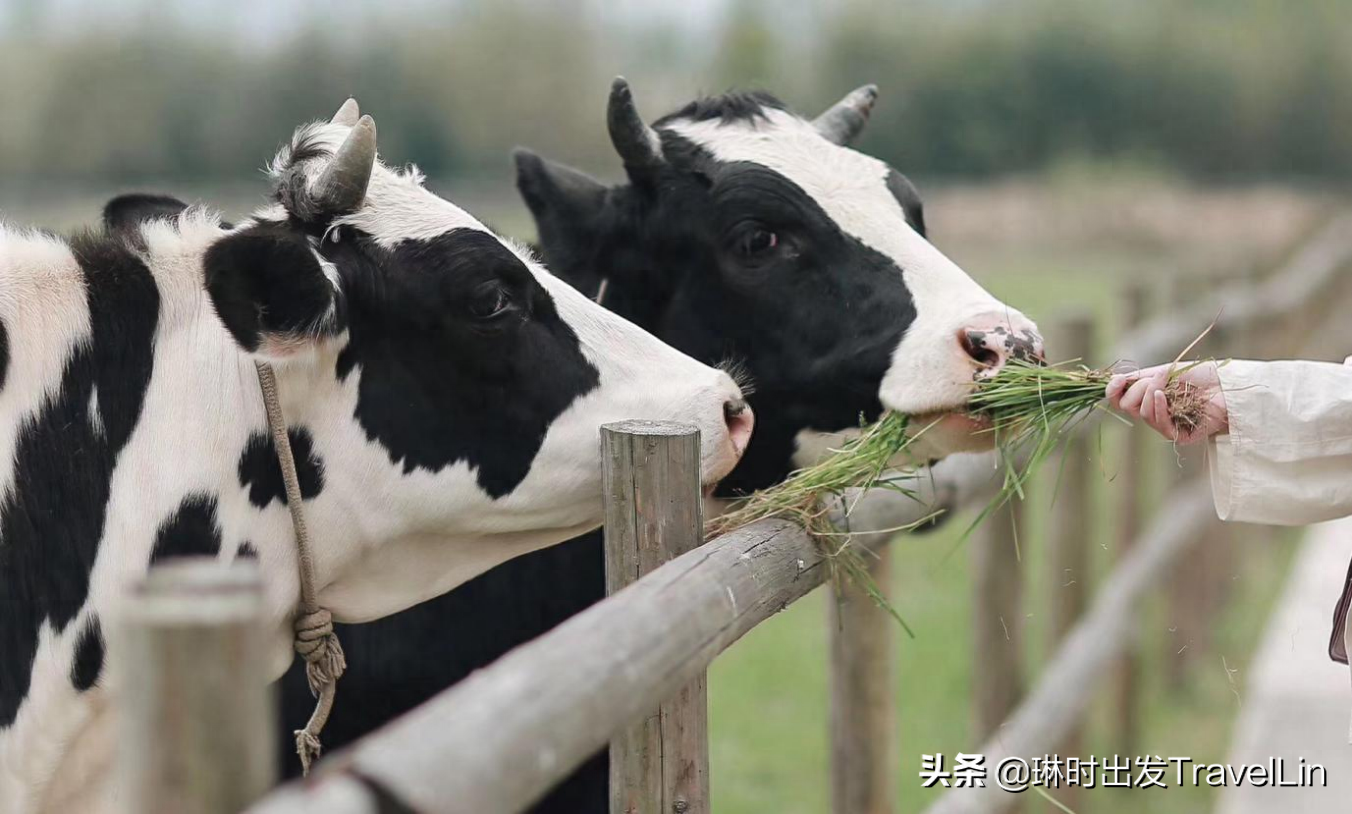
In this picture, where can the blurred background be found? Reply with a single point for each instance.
(1064, 149)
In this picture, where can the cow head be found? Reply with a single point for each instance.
(748, 233)
(448, 379)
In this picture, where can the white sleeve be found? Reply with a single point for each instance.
(1287, 459)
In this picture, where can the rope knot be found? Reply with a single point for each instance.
(318, 645)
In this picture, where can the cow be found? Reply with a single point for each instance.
(443, 396)
(744, 233)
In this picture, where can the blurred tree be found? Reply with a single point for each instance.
(1209, 88)
(748, 52)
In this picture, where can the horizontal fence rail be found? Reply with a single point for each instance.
(503, 737)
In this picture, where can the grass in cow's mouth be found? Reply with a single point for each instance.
(808, 496)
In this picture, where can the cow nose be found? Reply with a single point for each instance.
(992, 341)
(740, 419)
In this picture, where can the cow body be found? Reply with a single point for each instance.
(442, 395)
(744, 235)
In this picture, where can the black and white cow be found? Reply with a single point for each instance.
(443, 395)
(745, 233)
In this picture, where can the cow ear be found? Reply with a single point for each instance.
(566, 203)
(271, 291)
(126, 212)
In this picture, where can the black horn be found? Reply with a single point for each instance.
(636, 142)
(342, 187)
(843, 121)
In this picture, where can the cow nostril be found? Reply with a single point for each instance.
(974, 344)
(740, 420)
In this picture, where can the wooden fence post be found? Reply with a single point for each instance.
(653, 514)
(197, 731)
(1185, 625)
(997, 618)
(1072, 526)
(863, 702)
(1130, 482)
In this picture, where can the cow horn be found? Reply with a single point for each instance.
(342, 187)
(348, 114)
(636, 142)
(842, 122)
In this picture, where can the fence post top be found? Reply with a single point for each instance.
(644, 426)
(195, 590)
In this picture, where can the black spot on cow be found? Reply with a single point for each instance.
(126, 212)
(909, 197)
(88, 662)
(265, 281)
(246, 551)
(463, 355)
(4, 354)
(261, 474)
(51, 521)
(191, 531)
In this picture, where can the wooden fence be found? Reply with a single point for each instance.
(630, 670)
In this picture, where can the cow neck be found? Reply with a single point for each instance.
(315, 640)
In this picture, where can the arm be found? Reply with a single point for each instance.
(1282, 449)
(1287, 459)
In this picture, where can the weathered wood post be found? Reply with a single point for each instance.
(1216, 554)
(1186, 589)
(653, 513)
(863, 702)
(997, 618)
(197, 730)
(1072, 526)
(1130, 483)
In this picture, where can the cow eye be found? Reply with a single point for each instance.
(490, 300)
(756, 243)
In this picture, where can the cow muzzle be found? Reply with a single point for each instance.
(991, 341)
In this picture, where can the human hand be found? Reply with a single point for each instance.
(1143, 394)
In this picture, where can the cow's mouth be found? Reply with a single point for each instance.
(956, 429)
(953, 418)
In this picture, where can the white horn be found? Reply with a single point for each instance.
(843, 121)
(342, 187)
(348, 114)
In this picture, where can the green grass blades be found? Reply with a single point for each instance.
(1031, 408)
(805, 496)
(808, 496)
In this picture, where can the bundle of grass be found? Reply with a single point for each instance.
(1031, 407)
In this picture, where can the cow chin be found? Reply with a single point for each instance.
(940, 434)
